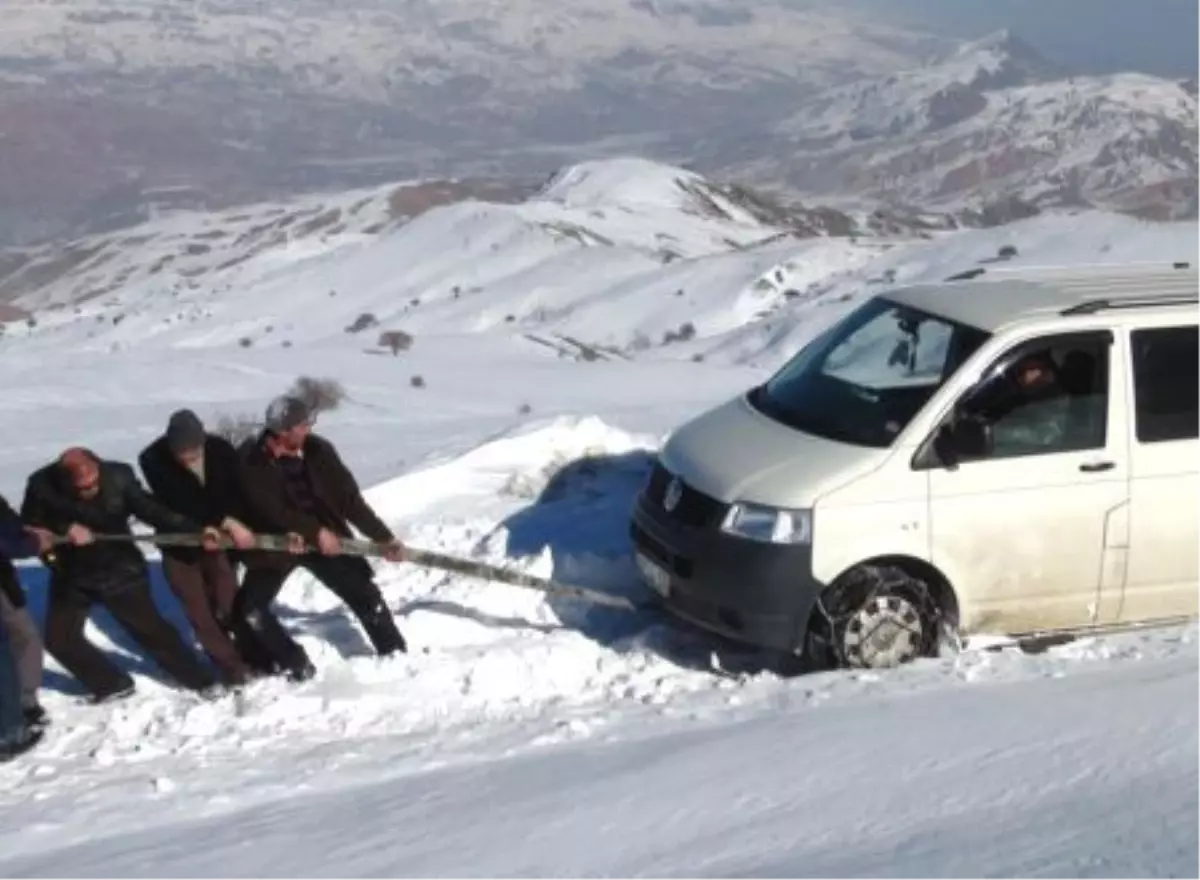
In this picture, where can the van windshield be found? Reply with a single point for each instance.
(864, 379)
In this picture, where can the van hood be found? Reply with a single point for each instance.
(735, 453)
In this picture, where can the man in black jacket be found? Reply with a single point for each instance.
(295, 483)
(79, 494)
(19, 732)
(24, 640)
(198, 474)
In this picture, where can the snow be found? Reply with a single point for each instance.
(527, 735)
(1038, 778)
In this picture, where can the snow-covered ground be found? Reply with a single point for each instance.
(526, 736)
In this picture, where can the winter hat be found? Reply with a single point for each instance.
(286, 413)
(184, 431)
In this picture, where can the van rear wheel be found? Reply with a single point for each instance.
(877, 617)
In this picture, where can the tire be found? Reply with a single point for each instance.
(877, 617)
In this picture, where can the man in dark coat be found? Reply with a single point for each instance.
(79, 494)
(24, 640)
(295, 483)
(198, 474)
(18, 733)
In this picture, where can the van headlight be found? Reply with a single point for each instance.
(771, 524)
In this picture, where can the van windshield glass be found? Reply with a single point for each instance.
(865, 378)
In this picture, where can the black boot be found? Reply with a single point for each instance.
(112, 696)
(303, 670)
(381, 630)
(23, 744)
(35, 716)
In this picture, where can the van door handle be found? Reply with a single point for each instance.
(1094, 466)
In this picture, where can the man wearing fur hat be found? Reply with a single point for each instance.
(295, 483)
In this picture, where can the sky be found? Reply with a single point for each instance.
(1086, 36)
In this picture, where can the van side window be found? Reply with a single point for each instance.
(1166, 363)
(1044, 398)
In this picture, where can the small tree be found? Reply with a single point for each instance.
(396, 340)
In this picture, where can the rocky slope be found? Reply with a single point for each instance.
(994, 125)
(106, 105)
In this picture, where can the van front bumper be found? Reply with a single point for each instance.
(749, 591)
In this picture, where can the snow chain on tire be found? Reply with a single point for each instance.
(879, 595)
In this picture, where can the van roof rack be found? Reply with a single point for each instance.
(1092, 306)
(976, 271)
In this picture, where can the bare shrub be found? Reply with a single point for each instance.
(417, 381)
(245, 342)
(237, 428)
(319, 395)
(396, 340)
(686, 331)
(363, 322)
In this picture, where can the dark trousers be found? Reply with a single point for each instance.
(133, 608)
(12, 720)
(350, 578)
(25, 645)
(206, 587)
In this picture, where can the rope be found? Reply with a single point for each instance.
(372, 549)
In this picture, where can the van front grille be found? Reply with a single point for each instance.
(695, 508)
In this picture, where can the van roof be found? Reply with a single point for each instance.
(993, 298)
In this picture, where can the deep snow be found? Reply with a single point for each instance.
(521, 735)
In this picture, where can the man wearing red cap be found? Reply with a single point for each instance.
(295, 483)
(78, 494)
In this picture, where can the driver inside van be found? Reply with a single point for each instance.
(1035, 373)
(1041, 405)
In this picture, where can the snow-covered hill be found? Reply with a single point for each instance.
(616, 259)
(520, 734)
(357, 261)
(991, 123)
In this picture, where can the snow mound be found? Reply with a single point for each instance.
(631, 183)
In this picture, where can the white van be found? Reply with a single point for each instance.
(1002, 454)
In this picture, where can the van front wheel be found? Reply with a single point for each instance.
(877, 617)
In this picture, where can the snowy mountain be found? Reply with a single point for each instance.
(370, 51)
(108, 105)
(523, 734)
(992, 123)
(606, 259)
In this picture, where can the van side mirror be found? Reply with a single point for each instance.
(962, 438)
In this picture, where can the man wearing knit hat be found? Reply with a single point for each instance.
(296, 483)
(198, 474)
